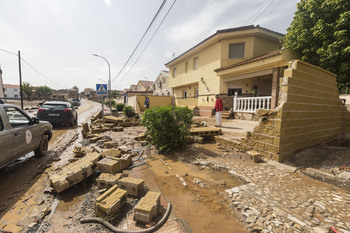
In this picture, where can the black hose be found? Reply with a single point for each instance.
(117, 230)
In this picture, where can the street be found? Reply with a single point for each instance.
(16, 177)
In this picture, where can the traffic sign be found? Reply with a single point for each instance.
(101, 89)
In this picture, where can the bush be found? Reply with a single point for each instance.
(112, 102)
(129, 111)
(168, 126)
(120, 107)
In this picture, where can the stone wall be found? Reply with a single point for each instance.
(309, 112)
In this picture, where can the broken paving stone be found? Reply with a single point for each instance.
(134, 187)
(109, 165)
(112, 152)
(147, 209)
(110, 202)
(110, 145)
(140, 137)
(73, 173)
(113, 119)
(126, 160)
(107, 180)
(125, 124)
(117, 129)
(124, 149)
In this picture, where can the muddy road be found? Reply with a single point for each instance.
(16, 177)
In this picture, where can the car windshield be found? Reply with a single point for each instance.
(15, 117)
(54, 106)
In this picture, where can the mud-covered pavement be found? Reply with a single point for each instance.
(212, 189)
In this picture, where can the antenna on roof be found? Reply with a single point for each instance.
(173, 55)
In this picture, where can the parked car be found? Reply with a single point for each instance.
(76, 102)
(20, 134)
(58, 113)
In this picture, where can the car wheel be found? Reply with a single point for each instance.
(43, 146)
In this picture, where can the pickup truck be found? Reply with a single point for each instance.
(20, 134)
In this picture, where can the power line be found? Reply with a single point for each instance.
(266, 7)
(9, 52)
(40, 72)
(144, 34)
(31, 67)
(148, 41)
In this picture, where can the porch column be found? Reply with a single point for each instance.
(275, 87)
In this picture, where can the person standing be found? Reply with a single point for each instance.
(218, 110)
(147, 102)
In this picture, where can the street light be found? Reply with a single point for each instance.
(109, 82)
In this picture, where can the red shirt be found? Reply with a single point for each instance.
(218, 105)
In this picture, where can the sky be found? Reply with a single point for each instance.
(57, 38)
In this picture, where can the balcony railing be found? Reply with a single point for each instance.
(251, 104)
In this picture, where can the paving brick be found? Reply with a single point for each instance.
(126, 160)
(73, 173)
(107, 180)
(112, 152)
(110, 202)
(133, 186)
(147, 209)
(110, 144)
(109, 165)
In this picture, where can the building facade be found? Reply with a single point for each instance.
(217, 65)
(161, 85)
(12, 91)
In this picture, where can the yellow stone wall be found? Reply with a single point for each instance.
(309, 113)
(155, 101)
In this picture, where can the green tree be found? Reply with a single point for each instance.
(43, 89)
(168, 126)
(27, 89)
(320, 32)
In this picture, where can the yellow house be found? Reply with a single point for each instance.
(246, 60)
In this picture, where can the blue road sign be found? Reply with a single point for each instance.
(101, 89)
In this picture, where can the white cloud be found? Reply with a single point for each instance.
(108, 3)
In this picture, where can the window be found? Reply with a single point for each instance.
(15, 90)
(195, 63)
(184, 95)
(186, 67)
(174, 72)
(16, 117)
(196, 92)
(236, 51)
(164, 80)
(16, 96)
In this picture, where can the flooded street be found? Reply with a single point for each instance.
(15, 177)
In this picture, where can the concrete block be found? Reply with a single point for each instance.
(109, 165)
(125, 124)
(107, 180)
(110, 144)
(73, 173)
(147, 209)
(112, 153)
(113, 119)
(126, 160)
(134, 187)
(256, 156)
(125, 149)
(198, 139)
(140, 137)
(117, 129)
(110, 202)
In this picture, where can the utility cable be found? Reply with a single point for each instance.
(9, 52)
(144, 34)
(148, 42)
(40, 72)
(263, 10)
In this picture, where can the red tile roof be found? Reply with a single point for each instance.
(225, 31)
(271, 54)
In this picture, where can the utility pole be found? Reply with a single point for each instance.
(20, 77)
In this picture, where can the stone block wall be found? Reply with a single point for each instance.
(309, 112)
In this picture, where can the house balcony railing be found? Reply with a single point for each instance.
(251, 104)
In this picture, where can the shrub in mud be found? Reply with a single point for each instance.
(129, 111)
(168, 126)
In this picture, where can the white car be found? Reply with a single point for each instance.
(21, 134)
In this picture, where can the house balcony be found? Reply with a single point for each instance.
(250, 104)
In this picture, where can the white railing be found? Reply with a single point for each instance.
(251, 104)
